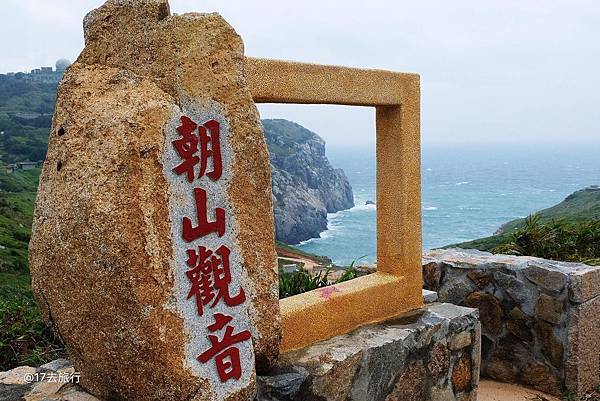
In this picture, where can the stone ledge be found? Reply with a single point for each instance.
(582, 281)
(431, 353)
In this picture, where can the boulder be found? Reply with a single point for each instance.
(152, 253)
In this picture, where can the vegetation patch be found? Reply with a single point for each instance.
(24, 337)
(302, 281)
(17, 199)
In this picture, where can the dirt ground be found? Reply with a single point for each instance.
(494, 391)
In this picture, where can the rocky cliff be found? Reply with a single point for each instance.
(305, 185)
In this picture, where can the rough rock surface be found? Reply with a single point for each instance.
(429, 354)
(540, 318)
(305, 185)
(107, 272)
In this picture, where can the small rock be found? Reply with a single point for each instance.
(460, 341)
(462, 373)
(455, 288)
(549, 309)
(540, 377)
(55, 365)
(490, 311)
(440, 360)
(552, 346)
(518, 325)
(431, 276)
(501, 370)
(283, 385)
(369, 202)
(442, 394)
(429, 297)
(43, 390)
(75, 393)
(17, 375)
(515, 288)
(480, 278)
(547, 278)
(411, 384)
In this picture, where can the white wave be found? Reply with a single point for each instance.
(428, 208)
(463, 183)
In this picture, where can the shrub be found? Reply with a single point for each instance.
(556, 240)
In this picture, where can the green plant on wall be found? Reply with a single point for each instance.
(302, 281)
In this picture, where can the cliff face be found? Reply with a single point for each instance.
(305, 185)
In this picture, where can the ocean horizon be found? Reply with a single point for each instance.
(467, 193)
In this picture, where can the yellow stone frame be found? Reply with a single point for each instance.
(397, 286)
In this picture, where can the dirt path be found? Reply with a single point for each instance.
(495, 391)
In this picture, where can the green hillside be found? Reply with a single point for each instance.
(26, 110)
(583, 205)
(282, 135)
(17, 197)
(569, 231)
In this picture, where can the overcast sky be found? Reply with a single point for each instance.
(492, 72)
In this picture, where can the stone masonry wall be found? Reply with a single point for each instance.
(431, 354)
(540, 318)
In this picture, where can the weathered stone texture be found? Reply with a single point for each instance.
(541, 318)
(583, 362)
(406, 358)
(101, 254)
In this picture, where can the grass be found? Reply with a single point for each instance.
(24, 337)
(17, 199)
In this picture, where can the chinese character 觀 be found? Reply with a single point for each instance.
(210, 276)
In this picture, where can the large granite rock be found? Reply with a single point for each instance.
(540, 318)
(428, 354)
(305, 185)
(137, 257)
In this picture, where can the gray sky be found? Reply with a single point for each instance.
(493, 72)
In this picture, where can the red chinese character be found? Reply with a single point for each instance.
(186, 147)
(210, 133)
(209, 138)
(210, 273)
(227, 357)
(204, 227)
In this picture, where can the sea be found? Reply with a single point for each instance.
(467, 193)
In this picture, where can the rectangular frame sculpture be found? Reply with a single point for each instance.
(396, 287)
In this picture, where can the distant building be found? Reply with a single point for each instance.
(46, 75)
(28, 165)
(593, 188)
(288, 269)
(10, 168)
